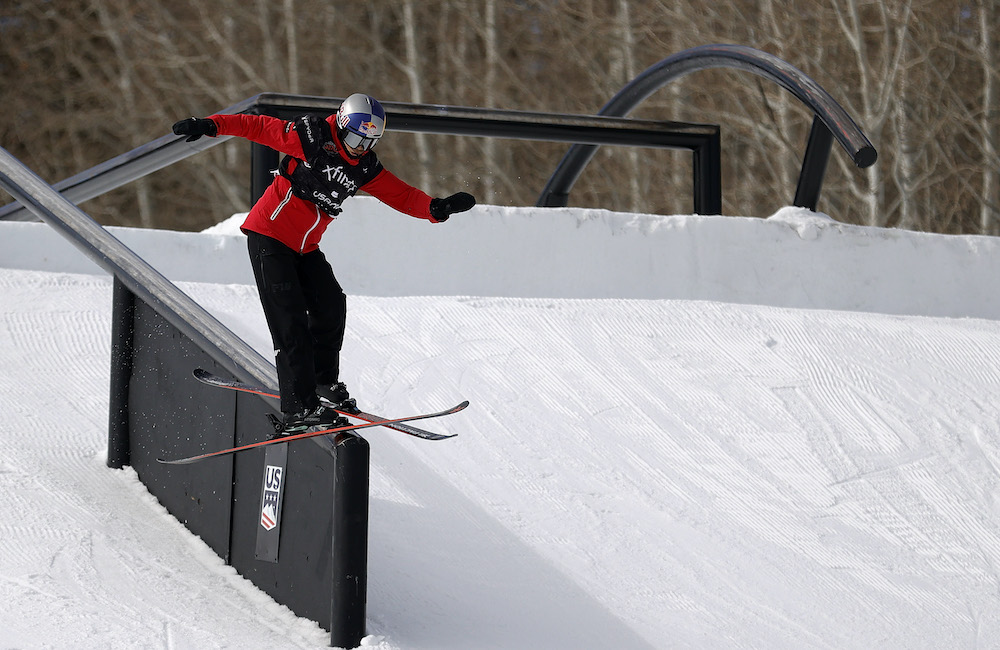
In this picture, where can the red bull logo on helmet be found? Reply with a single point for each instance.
(368, 128)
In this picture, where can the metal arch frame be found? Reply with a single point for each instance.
(830, 119)
(702, 139)
(609, 126)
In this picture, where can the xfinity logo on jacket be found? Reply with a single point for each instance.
(337, 174)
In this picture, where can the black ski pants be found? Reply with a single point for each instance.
(306, 312)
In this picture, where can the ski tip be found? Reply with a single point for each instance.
(206, 376)
(179, 461)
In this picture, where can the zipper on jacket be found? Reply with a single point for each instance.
(284, 202)
(305, 237)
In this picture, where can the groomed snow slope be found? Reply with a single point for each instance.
(657, 473)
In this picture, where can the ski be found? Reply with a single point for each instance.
(207, 377)
(310, 434)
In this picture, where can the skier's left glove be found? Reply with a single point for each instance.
(441, 209)
(195, 127)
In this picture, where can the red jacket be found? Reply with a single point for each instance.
(297, 223)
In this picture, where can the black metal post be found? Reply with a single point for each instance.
(263, 160)
(707, 164)
(814, 165)
(122, 330)
(350, 541)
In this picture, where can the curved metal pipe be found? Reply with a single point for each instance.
(706, 57)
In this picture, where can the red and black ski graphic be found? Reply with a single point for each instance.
(312, 434)
(207, 377)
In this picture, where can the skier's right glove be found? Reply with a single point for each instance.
(441, 209)
(195, 127)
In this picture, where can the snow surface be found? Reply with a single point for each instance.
(795, 258)
(691, 471)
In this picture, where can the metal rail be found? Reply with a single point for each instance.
(135, 273)
(418, 118)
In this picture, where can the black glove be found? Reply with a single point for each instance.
(196, 127)
(441, 209)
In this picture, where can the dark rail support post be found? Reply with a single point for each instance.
(122, 329)
(350, 541)
(813, 165)
(707, 166)
(263, 160)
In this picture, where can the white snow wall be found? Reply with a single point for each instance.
(796, 258)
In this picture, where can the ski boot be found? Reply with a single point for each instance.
(338, 397)
(321, 416)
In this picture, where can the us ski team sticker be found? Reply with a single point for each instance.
(271, 500)
(272, 497)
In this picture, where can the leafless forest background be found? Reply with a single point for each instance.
(85, 80)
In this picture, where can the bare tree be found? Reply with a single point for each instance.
(89, 79)
(491, 64)
(623, 70)
(413, 69)
(989, 214)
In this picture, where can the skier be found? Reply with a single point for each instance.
(326, 161)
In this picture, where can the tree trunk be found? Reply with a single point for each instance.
(292, 47)
(990, 204)
(489, 97)
(626, 65)
(416, 89)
